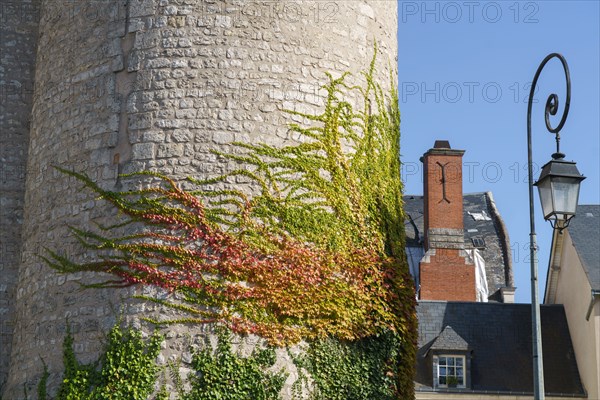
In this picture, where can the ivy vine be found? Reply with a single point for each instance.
(127, 370)
(42, 386)
(224, 375)
(360, 370)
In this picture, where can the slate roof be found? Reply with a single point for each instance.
(449, 340)
(481, 221)
(499, 337)
(584, 230)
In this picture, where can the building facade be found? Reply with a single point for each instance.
(574, 281)
(474, 342)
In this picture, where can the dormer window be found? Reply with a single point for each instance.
(450, 357)
(478, 242)
(451, 371)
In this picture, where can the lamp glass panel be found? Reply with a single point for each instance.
(565, 192)
(545, 191)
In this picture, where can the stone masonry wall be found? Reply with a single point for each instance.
(18, 33)
(125, 86)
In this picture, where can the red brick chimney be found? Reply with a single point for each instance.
(445, 271)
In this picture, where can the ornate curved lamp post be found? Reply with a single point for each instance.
(558, 187)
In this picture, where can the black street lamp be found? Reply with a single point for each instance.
(559, 192)
(558, 187)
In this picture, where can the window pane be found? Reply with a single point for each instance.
(451, 366)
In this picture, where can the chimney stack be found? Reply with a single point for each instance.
(446, 272)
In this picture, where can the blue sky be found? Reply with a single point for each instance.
(464, 69)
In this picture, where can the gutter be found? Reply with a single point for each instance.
(465, 391)
(554, 267)
(595, 297)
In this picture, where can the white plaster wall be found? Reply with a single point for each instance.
(574, 292)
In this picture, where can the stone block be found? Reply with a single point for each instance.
(142, 151)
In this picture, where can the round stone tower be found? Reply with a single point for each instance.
(131, 85)
(18, 33)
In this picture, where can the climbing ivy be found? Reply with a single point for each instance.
(41, 389)
(127, 370)
(317, 253)
(360, 370)
(224, 375)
